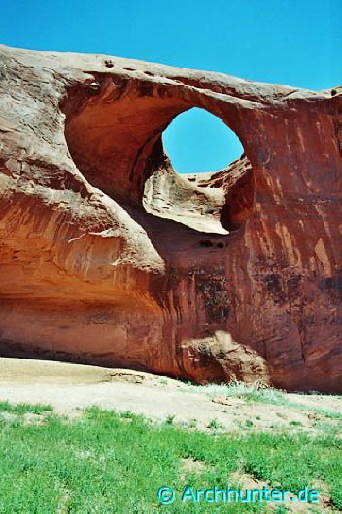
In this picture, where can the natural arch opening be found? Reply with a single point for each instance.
(208, 201)
(196, 141)
(114, 132)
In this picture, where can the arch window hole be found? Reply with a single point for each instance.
(197, 141)
(207, 181)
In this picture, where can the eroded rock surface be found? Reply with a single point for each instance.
(107, 255)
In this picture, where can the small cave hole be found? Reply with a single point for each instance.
(109, 64)
(206, 243)
(93, 89)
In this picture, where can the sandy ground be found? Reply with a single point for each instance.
(70, 388)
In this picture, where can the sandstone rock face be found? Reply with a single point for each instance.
(107, 255)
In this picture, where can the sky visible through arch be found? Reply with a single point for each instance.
(285, 42)
(198, 141)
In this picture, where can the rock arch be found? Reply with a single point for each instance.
(114, 133)
(87, 273)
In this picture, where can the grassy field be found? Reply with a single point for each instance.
(102, 462)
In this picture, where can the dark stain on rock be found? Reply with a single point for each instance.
(332, 284)
(215, 298)
(293, 283)
(273, 283)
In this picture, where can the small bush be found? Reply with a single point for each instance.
(169, 419)
(215, 424)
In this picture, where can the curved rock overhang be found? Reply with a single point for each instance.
(114, 129)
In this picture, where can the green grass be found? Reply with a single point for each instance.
(254, 392)
(99, 463)
(327, 413)
(21, 408)
(257, 392)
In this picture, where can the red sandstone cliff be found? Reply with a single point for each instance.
(109, 256)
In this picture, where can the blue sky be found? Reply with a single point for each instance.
(284, 42)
